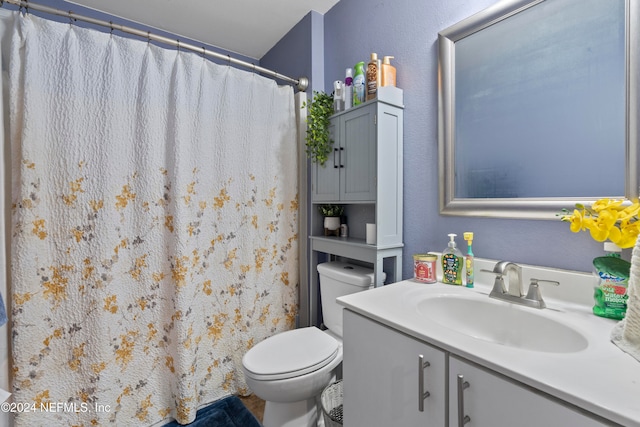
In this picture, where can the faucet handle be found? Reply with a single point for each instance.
(534, 291)
(498, 285)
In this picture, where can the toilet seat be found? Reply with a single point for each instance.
(290, 354)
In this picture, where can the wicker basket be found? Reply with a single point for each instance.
(331, 399)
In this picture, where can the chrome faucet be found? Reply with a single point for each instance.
(515, 291)
(514, 278)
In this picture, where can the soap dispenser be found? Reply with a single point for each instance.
(452, 263)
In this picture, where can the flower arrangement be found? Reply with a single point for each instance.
(611, 219)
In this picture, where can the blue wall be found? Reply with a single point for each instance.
(408, 29)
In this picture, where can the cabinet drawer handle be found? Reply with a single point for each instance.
(335, 165)
(340, 158)
(422, 395)
(462, 385)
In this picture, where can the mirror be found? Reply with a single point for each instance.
(538, 106)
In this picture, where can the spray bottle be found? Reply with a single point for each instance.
(348, 89)
(468, 259)
(359, 84)
(452, 263)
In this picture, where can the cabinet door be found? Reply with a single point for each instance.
(326, 178)
(381, 373)
(492, 401)
(358, 155)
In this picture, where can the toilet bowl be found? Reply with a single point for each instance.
(291, 369)
(291, 392)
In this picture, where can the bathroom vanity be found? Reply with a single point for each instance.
(442, 355)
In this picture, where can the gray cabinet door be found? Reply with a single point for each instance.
(358, 147)
(326, 178)
(349, 175)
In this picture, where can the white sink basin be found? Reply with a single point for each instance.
(502, 323)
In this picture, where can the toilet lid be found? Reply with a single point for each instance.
(290, 354)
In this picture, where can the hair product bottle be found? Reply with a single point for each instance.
(372, 77)
(388, 72)
(359, 84)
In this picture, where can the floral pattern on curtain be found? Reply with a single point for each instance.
(154, 227)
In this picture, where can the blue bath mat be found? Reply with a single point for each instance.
(227, 412)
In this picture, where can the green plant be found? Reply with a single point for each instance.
(331, 210)
(319, 144)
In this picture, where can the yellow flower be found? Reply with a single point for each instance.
(607, 219)
(576, 220)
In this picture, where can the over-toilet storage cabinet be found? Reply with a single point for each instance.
(381, 372)
(364, 174)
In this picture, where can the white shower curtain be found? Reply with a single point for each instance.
(154, 228)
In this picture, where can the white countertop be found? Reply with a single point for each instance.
(601, 379)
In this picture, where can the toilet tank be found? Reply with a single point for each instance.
(338, 279)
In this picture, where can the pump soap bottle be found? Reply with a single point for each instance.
(452, 263)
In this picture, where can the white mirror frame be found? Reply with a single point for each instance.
(523, 208)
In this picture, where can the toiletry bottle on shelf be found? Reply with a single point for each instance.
(379, 74)
(388, 72)
(372, 77)
(338, 96)
(610, 295)
(452, 263)
(468, 259)
(348, 89)
(359, 83)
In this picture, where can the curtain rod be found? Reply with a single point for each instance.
(301, 84)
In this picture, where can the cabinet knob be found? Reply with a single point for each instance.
(422, 394)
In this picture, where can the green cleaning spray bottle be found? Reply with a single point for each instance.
(610, 294)
(468, 259)
(452, 263)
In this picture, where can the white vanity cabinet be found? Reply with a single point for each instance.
(381, 372)
(479, 397)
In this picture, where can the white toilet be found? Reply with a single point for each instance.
(291, 369)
